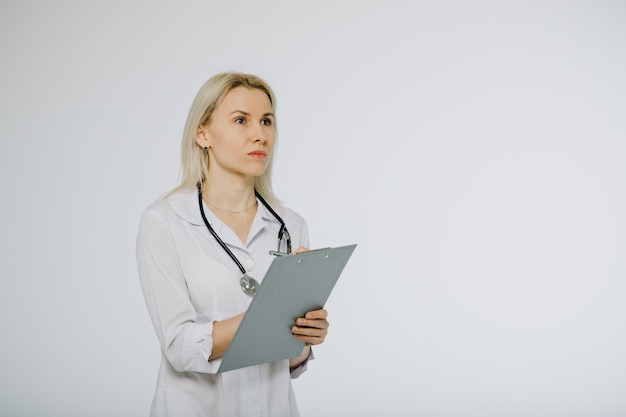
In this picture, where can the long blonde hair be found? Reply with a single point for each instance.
(195, 162)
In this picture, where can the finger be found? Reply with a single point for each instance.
(310, 340)
(309, 331)
(310, 336)
(316, 314)
(300, 250)
(314, 324)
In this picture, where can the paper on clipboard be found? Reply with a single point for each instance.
(292, 286)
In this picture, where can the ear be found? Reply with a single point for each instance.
(201, 137)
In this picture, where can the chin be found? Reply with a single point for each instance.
(257, 172)
(252, 174)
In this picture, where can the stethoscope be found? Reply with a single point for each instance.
(248, 284)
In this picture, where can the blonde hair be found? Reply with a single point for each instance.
(195, 162)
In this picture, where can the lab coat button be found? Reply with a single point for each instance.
(249, 265)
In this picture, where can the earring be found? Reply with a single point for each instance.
(206, 148)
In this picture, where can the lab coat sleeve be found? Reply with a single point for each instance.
(302, 368)
(186, 342)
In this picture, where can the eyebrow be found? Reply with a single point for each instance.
(245, 113)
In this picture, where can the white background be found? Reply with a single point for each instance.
(474, 150)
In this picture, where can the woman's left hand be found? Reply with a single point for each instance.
(312, 328)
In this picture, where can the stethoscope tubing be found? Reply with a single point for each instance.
(282, 231)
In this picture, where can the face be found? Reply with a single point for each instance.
(240, 134)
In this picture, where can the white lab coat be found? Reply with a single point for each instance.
(188, 282)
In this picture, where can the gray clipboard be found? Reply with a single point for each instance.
(292, 286)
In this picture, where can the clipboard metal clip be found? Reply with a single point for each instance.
(278, 253)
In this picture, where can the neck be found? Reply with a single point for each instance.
(232, 197)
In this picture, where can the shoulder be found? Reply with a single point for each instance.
(155, 218)
(159, 205)
(297, 226)
(165, 217)
(292, 218)
(181, 205)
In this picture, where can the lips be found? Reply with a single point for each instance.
(258, 154)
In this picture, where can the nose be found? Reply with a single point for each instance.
(260, 138)
(259, 135)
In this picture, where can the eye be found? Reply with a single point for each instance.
(240, 120)
(266, 122)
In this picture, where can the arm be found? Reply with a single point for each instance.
(223, 333)
(296, 362)
(186, 339)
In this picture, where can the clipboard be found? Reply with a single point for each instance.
(292, 286)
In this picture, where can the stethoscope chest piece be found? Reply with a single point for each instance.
(248, 284)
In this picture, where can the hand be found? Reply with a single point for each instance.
(312, 328)
(300, 250)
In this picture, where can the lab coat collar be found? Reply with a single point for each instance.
(185, 205)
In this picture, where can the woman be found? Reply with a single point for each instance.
(201, 247)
